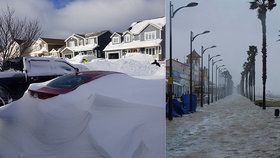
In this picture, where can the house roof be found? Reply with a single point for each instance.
(96, 33)
(53, 41)
(126, 32)
(87, 47)
(194, 55)
(137, 27)
(119, 33)
(132, 45)
(19, 41)
(82, 35)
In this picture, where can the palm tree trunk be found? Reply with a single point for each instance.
(254, 78)
(246, 85)
(250, 85)
(264, 76)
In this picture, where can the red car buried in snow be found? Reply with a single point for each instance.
(67, 83)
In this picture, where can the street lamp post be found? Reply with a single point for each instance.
(202, 74)
(170, 79)
(192, 37)
(212, 89)
(217, 87)
(209, 59)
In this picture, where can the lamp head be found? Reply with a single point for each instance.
(213, 47)
(205, 32)
(192, 4)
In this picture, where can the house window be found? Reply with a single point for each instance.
(95, 40)
(69, 56)
(72, 44)
(116, 40)
(127, 38)
(150, 51)
(90, 41)
(150, 35)
(81, 42)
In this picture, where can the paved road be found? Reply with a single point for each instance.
(231, 128)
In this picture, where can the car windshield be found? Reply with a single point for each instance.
(68, 81)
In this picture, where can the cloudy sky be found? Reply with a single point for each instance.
(61, 18)
(233, 28)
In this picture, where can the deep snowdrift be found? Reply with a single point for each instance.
(136, 65)
(115, 116)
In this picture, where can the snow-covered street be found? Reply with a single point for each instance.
(232, 127)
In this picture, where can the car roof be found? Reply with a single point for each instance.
(96, 74)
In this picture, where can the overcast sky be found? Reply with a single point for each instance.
(233, 28)
(61, 18)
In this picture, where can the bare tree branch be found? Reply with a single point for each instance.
(16, 34)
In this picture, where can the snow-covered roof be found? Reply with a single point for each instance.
(116, 33)
(137, 27)
(133, 44)
(93, 34)
(74, 36)
(39, 52)
(82, 48)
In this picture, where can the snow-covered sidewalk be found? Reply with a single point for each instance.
(232, 127)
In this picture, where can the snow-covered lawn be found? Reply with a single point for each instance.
(232, 127)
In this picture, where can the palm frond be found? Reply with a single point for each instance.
(271, 4)
(254, 5)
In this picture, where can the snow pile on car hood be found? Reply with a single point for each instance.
(136, 68)
(91, 121)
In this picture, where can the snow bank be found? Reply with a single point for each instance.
(139, 57)
(140, 68)
(79, 58)
(91, 121)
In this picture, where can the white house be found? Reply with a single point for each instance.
(146, 37)
(46, 47)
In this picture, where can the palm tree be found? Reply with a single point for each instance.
(262, 6)
(252, 52)
(245, 67)
(242, 83)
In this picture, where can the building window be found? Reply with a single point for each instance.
(72, 44)
(127, 38)
(150, 35)
(90, 41)
(69, 56)
(81, 42)
(116, 40)
(150, 51)
(95, 40)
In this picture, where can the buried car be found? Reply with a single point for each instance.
(94, 114)
(67, 83)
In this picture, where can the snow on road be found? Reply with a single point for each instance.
(232, 127)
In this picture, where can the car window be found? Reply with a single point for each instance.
(64, 67)
(68, 81)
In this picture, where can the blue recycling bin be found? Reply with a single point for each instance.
(177, 110)
(186, 103)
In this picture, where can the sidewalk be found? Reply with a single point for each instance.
(232, 127)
